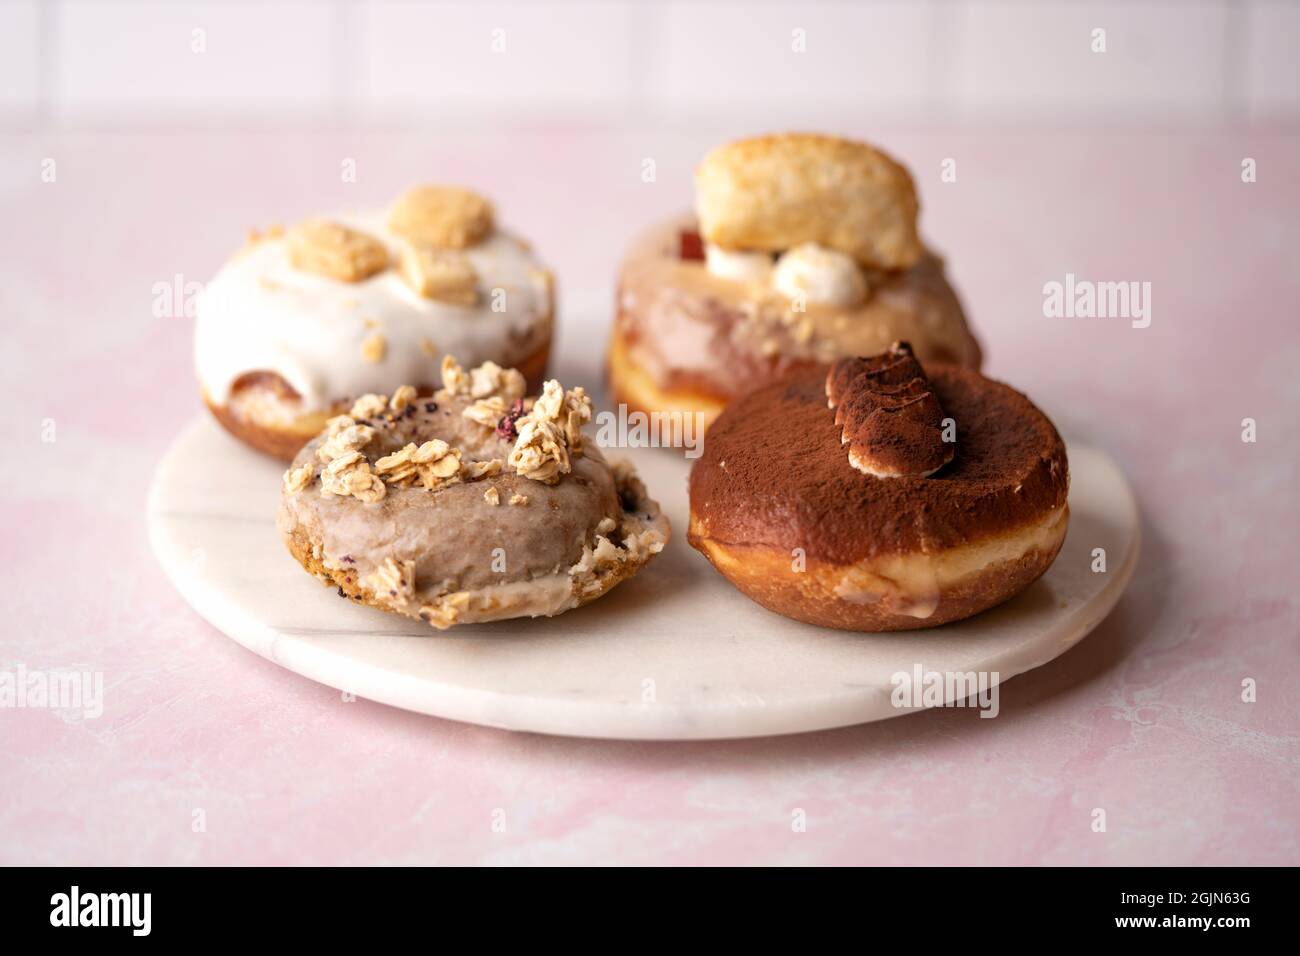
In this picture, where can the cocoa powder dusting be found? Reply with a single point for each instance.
(787, 481)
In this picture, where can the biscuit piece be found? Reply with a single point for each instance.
(441, 274)
(443, 216)
(336, 251)
(774, 192)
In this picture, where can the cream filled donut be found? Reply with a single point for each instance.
(803, 249)
(876, 495)
(472, 504)
(303, 321)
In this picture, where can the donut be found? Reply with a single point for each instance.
(304, 320)
(878, 494)
(802, 250)
(472, 504)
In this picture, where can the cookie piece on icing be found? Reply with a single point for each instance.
(445, 216)
(774, 192)
(336, 251)
(442, 274)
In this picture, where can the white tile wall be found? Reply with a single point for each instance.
(1161, 59)
(642, 62)
(819, 55)
(20, 62)
(521, 58)
(1272, 67)
(143, 58)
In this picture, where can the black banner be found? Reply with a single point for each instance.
(341, 906)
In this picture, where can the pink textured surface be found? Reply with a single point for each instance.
(1143, 719)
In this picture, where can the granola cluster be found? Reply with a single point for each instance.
(547, 432)
(547, 435)
(393, 583)
(486, 382)
(347, 472)
(350, 474)
(603, 557)
(343, 434)
(434, 464)
(494, 390)
(374, 405)
(446, 610)
(296, 479)
(550, 434)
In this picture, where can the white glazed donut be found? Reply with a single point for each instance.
(285, 340)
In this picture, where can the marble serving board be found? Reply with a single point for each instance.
(674, 653)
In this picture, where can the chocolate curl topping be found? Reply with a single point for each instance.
(888, 415)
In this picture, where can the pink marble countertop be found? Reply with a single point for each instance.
(1145, 719)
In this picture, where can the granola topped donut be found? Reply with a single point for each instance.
(303, 321)
(476, 503)
(802, 249)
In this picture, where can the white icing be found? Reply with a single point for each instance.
(750, 267)
(819, 274)
(261, 314)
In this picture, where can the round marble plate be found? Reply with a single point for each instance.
(674, 653)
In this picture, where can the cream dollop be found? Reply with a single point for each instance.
(751, 267)
(818, 274)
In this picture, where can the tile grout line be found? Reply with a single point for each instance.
(648, 30)
(345, 43)
(1236, 18)
(939, 72)
(47, 40)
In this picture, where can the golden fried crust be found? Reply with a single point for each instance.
(281, 440)
(814, 594)
(632, 386)
(774, 192)
(348, 583)
(264, 412)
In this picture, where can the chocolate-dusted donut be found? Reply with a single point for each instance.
(303, 321)
(804, 249)
(782, 507)
(474, 504)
